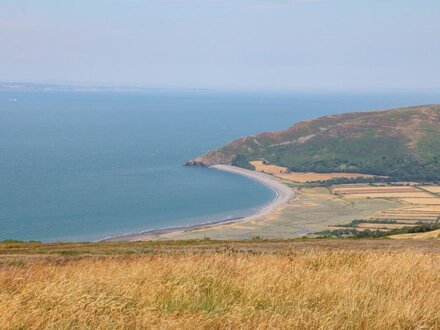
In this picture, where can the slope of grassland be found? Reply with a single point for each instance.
(403, 144)
(308, 284)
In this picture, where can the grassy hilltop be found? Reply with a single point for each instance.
(300, 284)
(403, 144)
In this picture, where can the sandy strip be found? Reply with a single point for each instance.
(283, 195)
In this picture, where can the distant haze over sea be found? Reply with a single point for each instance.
(85, 166)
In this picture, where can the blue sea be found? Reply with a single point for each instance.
(86, 166)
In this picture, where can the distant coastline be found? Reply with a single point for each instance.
(282, 197)
(89, 88)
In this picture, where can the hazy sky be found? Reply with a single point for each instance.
(225, 44)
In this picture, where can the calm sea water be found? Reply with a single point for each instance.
(84, 166)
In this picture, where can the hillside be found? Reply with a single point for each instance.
(403, 144)
(295, 284)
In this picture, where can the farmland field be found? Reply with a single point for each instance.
(386, 194)
(382, 225)
(416, 205)
(428, 235)
(422, 201)
(434, 189)
(363, 189)
(302, 177)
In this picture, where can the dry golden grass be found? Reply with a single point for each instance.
(367, 225)
(427, 208)
(390, 195)
(354, 228)
(365, 189)
(409, 214)
(404, 221)
(302, 177)
(320, 193)
(414, 210)
(427, 235)
(422, 201)
(404, 213)
(373, 226)
(303, 290)
(270, 169)
(434, 189)
(351, 185)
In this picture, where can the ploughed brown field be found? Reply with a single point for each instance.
(303, 284)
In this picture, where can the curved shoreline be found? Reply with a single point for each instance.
(283, 192)
(283, 195)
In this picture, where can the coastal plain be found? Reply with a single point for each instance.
(296, 211)
(311, 209)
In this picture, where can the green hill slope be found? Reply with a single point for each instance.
(402, 143)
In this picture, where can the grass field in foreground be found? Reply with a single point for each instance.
(310, 284)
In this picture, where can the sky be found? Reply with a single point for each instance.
(282, 45)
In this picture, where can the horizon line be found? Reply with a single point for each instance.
(65, 86)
